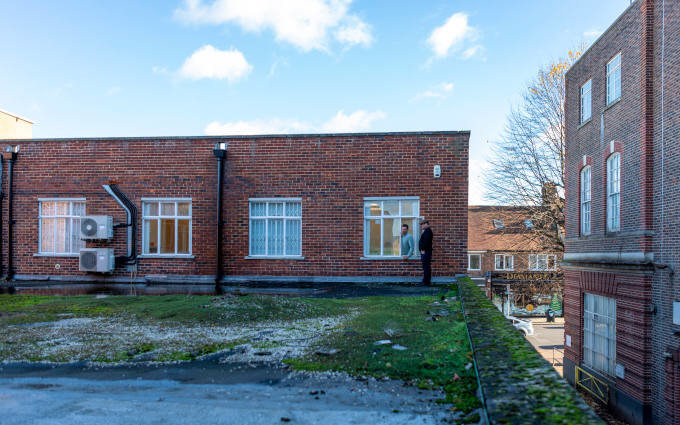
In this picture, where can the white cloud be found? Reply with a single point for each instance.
(306, 24)
(440, 91)
(453, 36)
(112, 91)
(209, 62)
(592, 34)
(159, 70)
(359, 120)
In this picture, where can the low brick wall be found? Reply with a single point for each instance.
(518, 385)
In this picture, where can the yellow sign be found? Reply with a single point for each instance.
(530, 307)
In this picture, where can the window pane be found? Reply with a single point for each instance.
(409, 208)
(257, 237)
(475, 261)
(168, 235)
(61, 208)
(47, 237)
(258, 209)
(63, 235)
(47, 208)
(293, 237)
(373, 237)
(499, 262)
(79, 209)
(183, 209)
(76, 242)
(183, 236)
(151, 236)
(509, 262)
(276, 209)
(168, 208)
(391, 236)
(293, 209)
(150, 209)
(414, 231)
(391, 208)
(372, 208)
(275, 241)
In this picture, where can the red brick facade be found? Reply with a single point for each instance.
(331, 174)
(635, 265)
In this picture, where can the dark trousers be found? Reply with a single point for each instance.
(426, 259)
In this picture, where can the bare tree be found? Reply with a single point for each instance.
(527, 164)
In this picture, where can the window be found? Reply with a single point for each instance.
(498, 224)
(614, 79)
(599, 333)
(586, 101)
(539, 262)
(167, 226)
(275, 227)
(60, 226)
(382, 225)
(585, 201)
(529, 224)
(613, 192)
(475, 262)
(504, 262)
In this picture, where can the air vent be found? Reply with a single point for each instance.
(96, 227)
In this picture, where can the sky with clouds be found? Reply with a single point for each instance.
(193, 67)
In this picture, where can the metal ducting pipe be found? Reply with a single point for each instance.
(130, 208)
(13, 154)
(220, 153)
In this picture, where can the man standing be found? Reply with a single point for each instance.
(425, 246)
(406, 242)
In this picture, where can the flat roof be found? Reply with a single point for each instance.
(16, 116)
(245, 136)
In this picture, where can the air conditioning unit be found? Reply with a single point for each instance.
(96, 227)
(99, 260)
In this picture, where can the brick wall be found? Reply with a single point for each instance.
(331, 173)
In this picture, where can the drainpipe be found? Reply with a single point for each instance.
(2, 195)
(220, 153)
(130, 208)
(13, 152)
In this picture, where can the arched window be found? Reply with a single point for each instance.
(585, 200)
(614, 192)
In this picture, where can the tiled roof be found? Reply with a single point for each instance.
(483, 235)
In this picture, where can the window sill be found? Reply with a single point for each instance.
(584, 123)
(474, 270)
(390, 258)
(613, 102)
(169, 256)
(43, 254)
(505, 270)
(273, 257)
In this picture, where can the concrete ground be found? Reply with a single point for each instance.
(548, 340)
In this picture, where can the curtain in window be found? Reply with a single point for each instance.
(275, 241)
(258, 232)
(293, 237)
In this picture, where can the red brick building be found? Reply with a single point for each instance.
(622, 316)
(506, 245)
(297, 208)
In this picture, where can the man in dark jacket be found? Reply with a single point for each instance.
(425, 246)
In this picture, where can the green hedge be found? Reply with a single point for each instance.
(518, 385)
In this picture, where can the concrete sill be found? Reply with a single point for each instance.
(56, 255)
(614, 102)
(584, 123)
(168, 256)
(389, 258)
(272, 257)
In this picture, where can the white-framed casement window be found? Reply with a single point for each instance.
(586, 101)
(275, 227)
(614, 192)
(383, 218)
(167, 227)
(585, 200)
(475, 261)
(599, 333)
(542, 262)
(505, 262)
(614, 79)
(59, 224)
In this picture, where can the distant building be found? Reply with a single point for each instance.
(14, 127)
(622, 289)
(507, 254)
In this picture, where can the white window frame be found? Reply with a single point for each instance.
(614, 79)
(161, 216)
(586, 199)
(601, 311)
(382, 217)
(479, 254)
(506, 266)
(614, 192)
(586, 101)
(68, 216)
(266, 218)
(535, 259)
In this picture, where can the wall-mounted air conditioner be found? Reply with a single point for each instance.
(96, 227)
(99, 260)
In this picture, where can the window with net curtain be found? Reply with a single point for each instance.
(60, 226)
(275, 227)
(383, 219)
(599, 333)
(167, 227)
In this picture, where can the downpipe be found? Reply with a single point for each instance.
(12, 154)
(220, 153)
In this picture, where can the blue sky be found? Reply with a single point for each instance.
(131, 68)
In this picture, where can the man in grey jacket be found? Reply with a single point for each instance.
(407, 245)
